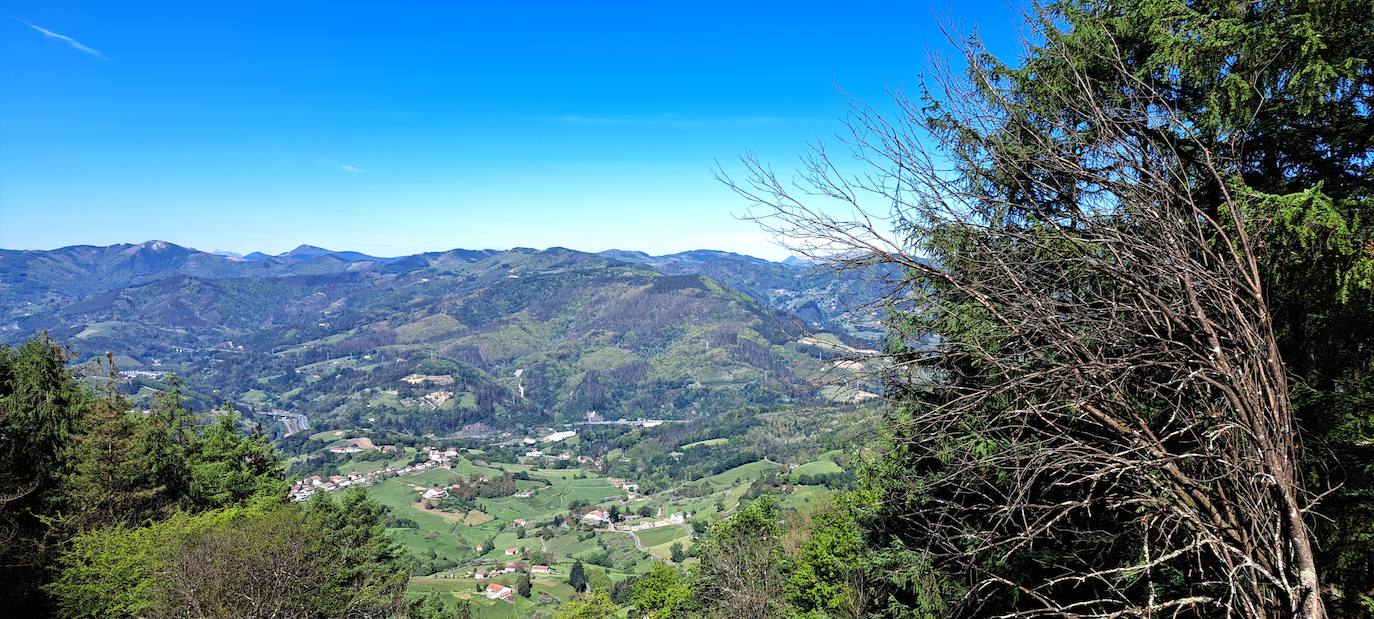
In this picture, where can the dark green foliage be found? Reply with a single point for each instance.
(227, 467)
(131, 467)
(598, 580)
(539, 557)
(168, 435)
(40, 410)
(368, 565)
(823, 573)
(663, 590)
(432, 606)
(522, 586)
(577, 577)
(115, 477)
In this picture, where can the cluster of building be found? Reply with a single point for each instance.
(497, 591)
(141, 374)
(435, 493)
(538, 453)
(596, 517)
(564, 456)
(595, 419)
(306, 488)
(676, 518)
(509, 568)
(558, 436)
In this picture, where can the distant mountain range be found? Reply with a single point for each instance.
(34, 280)
(443, 340)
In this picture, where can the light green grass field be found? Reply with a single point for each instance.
(663, 535)
(743, 472)
(816, 467)
(330, 435)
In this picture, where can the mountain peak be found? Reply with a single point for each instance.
(155, 245)
(307, 251)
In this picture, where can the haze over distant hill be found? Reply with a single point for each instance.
(441, 340)
(35, 280)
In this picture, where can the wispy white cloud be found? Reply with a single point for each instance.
(674, 120)
(351, 169)
(75, 44)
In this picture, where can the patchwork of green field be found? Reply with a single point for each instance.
(549, 500)
(328, 366)
(731, 487)
(571, 545)
(466, 468)
(446, 544)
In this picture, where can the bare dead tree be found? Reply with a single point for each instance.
(1109, 413)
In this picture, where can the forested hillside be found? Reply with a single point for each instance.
(436, 342)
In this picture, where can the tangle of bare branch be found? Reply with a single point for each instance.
(1108, 432)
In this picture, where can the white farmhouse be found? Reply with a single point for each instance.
(435, 493)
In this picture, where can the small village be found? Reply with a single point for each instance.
(436, 457)
(306, 488)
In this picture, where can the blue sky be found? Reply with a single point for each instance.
(394, 128)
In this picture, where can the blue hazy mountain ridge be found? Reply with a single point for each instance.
(33, 281)
(523, 333)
